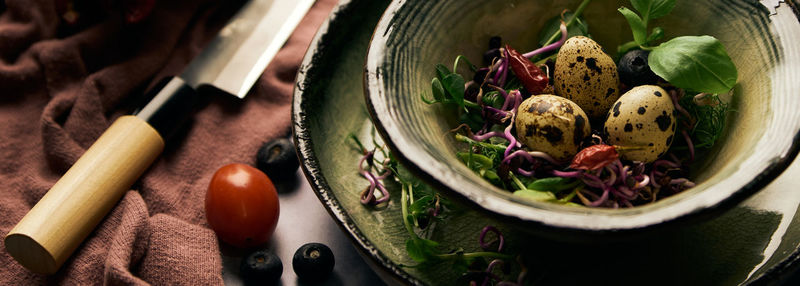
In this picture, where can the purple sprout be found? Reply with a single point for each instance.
(368, 195)
(482, 237)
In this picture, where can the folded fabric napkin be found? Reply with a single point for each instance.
(61, 87)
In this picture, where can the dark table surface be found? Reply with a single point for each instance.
(303, 219)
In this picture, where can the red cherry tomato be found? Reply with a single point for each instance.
(242, 205)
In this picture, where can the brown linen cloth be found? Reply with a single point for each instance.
(59, 92)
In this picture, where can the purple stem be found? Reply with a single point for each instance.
(572, 174)
(668, 163)
(500, 68)
(674, 95)
(654, 182)
(552, 46)
(602, 199)
(612, 177)
(643, 182)
(525, 173)
(689, 143)
(487, 135)
(385, 193)
(489, 273)
(512, 141)
(486, 245)
(495, 110)
(505, 70)
(368, 195)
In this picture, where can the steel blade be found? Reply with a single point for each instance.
(234, 60)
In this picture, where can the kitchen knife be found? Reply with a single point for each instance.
(72, 208)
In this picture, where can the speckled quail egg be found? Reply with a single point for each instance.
(586, 75)
(552, 124)
(642, 122)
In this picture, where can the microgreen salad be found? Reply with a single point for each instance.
(569, 124)
(422, 209)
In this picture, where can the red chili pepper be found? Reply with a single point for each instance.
(594, 157)
(531, 76)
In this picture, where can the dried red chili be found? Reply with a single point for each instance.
(531, 76)
(594, 157)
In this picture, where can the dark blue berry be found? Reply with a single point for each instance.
(261, 267)
(634, 70)
(495, 42)
(277, 159)
(490, 55)
(313, 262)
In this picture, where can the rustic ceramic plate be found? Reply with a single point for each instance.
(759, 144)
(755, 242)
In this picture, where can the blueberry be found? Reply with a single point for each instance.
(261, 267)
(495, 42)
(634, 70)
(489, 56)
(277, 159)
(313, 262)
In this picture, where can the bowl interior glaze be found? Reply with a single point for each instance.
(758, 144)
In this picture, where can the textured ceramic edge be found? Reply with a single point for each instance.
(791, 264)
(309, 163)
(313, 173)
(575, 224)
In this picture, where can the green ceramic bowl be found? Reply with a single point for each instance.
(759, 143)
(755, 243)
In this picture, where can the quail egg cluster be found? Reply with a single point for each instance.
(641, 123)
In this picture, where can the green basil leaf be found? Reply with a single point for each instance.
(697, 63)
(438, 90)
(535, 195)
(454, 85)
(475, 161)
(637, 26)
(553, 184)
(578, 28)
(442, 71)
(653, 9)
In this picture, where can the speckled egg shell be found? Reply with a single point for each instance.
(642, 118)
(551, 124)
(586, 75)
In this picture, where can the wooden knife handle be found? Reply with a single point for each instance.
(71, 209)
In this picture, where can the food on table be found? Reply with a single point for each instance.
(550, 124)
(261, 267)
(313, 262)
(277, 159)
(242, 205)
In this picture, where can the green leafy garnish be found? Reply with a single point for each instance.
(697, 63)
(553, 184)
(653, 9)
(638, 26)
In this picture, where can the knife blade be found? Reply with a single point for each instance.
(48, 234)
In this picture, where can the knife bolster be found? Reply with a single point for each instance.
(170, 108)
